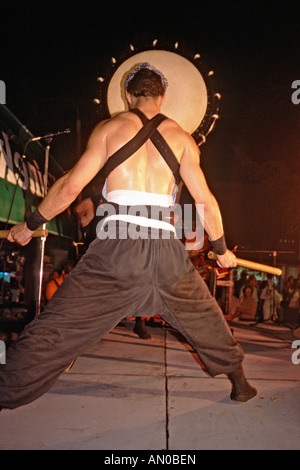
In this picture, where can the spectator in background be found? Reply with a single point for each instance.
(252, 282)
(57, 279)
(287, 292)
(248, 304)
(240, 283)
(288, 288)
(85, 209)
(271, 300)
(293, 311)
(17, 289)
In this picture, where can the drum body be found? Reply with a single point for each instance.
(191, 98)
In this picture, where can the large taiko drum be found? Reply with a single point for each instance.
(191, 99)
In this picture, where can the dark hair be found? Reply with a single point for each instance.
(247, 287)
(67, 266)
(146, 83)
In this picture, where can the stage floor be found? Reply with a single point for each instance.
(127, 393)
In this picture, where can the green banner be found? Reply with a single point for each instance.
(22, 176)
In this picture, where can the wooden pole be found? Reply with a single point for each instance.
(251, 265)
(37, 234)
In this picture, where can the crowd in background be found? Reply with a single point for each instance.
(263, 301)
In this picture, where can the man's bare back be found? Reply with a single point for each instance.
(146, 170)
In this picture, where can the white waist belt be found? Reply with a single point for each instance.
(127, 197)
(138, 220)
(133, 198)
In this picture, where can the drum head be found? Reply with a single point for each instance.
(186, 96)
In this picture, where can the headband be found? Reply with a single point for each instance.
(146, 65)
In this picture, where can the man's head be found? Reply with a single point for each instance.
(146, 81)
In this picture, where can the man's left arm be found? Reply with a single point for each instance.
(195, 181)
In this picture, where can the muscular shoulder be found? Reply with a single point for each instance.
(119, 119)
(120, 128)
(169, 125)
(112, 125)
(174, 133)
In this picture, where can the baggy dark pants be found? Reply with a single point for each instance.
(113, 280)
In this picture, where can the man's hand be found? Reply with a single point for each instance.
(228, 260)
(20, 234)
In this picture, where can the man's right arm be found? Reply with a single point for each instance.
(65, 190)
(195, 182)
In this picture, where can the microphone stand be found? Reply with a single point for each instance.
(48, 138)
(43, 239)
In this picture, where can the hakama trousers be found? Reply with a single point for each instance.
(117, 278)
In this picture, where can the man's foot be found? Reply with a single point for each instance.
(242, 391)
(140, 329)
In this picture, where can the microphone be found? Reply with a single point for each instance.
(17, 141)
(49, 136)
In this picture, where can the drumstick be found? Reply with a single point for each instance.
(37, 234)
(251, 265)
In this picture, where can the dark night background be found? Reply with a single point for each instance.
(52, 54)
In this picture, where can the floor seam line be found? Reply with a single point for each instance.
(166, 395)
